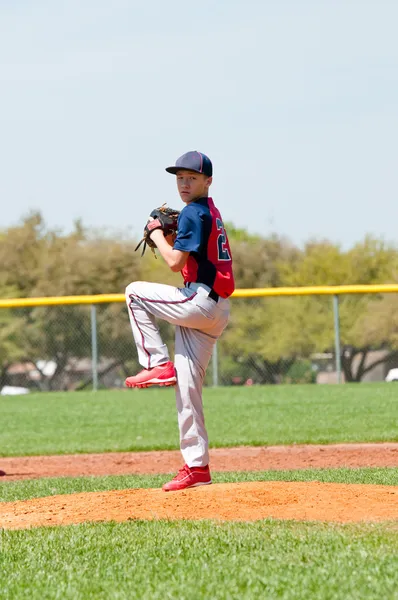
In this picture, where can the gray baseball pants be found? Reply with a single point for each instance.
(199, 322)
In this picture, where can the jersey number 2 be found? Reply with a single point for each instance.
(223, 253)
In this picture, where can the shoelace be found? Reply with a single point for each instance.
(183, 471)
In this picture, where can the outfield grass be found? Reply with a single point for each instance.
(192, 560)
(36, 488)
(59, 423)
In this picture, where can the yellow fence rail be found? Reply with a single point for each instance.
(324, 290)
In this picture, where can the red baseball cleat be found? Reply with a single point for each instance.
(188, 477)
(161, 375)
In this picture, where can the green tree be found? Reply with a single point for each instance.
(376, 328)
(12, 328)
(11, 342)
(36, 261)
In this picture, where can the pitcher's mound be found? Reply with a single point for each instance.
(304, 501)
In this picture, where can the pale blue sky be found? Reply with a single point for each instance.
(296, 103)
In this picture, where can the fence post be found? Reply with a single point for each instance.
(94, 347)
(215, 365)
(337, 349)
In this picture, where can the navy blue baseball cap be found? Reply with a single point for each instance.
(193, 161)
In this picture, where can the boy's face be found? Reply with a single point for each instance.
(192, 186)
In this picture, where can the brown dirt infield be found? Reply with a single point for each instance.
(237, 501)
(244, 458)
(311, 501)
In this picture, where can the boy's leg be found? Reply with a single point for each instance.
(193, 351)
(199, 323)
(178, 306)
(192, 356)
(150, 347)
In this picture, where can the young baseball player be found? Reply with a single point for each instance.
(199, 310)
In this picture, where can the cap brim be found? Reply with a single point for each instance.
(174, 170)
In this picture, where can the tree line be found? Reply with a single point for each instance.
(266, 337)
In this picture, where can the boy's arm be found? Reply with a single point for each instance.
(175, 259)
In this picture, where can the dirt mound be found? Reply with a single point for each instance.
(237, 502)
(243, 458)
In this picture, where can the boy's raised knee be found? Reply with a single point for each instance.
(131, 288)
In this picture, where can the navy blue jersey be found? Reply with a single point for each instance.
(201, 233)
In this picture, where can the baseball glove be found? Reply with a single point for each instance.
(164, 218)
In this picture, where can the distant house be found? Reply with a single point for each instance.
(326, 367)
(76, 372)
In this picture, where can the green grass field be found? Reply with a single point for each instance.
(57, 423)
(160, 559)
(185, 560)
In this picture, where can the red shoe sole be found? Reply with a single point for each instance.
(187, 487)
(150, 384)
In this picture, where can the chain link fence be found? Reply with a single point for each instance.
(269, 340)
